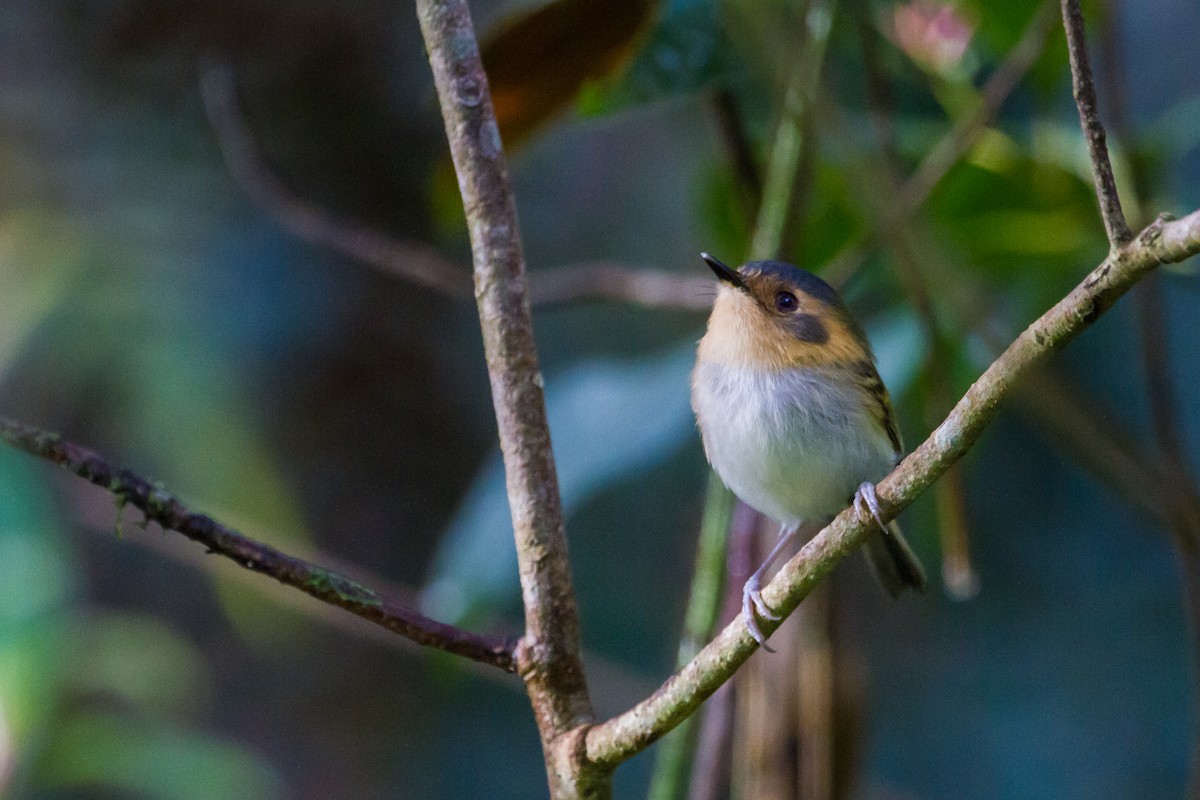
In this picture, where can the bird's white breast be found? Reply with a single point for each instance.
(794, 444)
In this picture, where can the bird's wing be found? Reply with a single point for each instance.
(878, 402)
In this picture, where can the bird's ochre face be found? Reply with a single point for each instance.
(775, 316)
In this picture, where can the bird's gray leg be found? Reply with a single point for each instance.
(752, 599)
(865, 502)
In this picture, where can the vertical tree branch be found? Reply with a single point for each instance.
(704, 605)
(548, 655)
(712, 772)
(740, 150)
(1084, 89)
(788, 138)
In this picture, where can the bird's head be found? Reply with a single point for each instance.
(776, 316)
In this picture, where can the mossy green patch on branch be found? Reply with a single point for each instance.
(326, 583)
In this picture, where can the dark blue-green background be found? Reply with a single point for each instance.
(151, 310)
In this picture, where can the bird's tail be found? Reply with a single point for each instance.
(893, 562)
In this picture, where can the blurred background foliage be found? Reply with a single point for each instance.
(151, 309)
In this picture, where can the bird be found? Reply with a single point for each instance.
(793, 415)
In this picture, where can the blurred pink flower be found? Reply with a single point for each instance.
(933, 34)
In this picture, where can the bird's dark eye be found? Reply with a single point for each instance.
(785, 301)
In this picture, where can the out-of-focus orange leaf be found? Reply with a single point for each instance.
(538, 62)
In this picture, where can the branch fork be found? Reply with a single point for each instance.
(580, 754)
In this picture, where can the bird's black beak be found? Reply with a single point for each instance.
(724, 271)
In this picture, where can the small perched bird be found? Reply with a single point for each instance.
(794, 417)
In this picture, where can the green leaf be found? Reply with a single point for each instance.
(686, 51)
(1000, 25)
(1027, 232)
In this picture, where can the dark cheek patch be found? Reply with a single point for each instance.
(807, 328)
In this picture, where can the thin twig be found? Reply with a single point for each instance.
(787, 141)
(410, 260)
(617, 686)
(422, 264)
(326, 585)
(548, 655)
(413, 261)
(1164, 241)
(1084, 89)
(673, 765)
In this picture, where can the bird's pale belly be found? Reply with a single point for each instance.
(793, 444)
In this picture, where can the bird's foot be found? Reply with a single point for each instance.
(752, 602)
(866, 502)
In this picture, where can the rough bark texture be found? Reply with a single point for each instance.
(548, 655)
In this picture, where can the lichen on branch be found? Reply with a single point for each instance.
(162, 507)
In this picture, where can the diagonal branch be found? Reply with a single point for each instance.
(1084, 89)
(411, 260)
(323, 584)
(1165, 241)
(416, 262)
